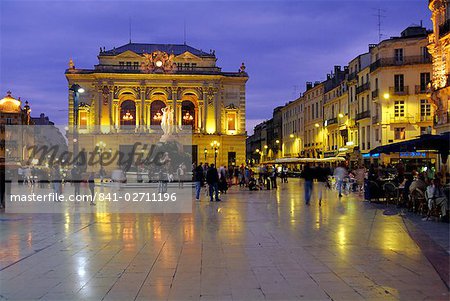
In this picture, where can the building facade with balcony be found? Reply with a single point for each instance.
(355, 84)
(335, 114)
(275, 133)
(400, 74)
(257, 147)
(14, 141)
(127, 90)
(293, 128)
(439, 41)
(362, 109)
(313, 120)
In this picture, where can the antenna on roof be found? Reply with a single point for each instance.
(379, 16)
(184, 31)
(129, 21)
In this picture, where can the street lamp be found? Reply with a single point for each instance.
(205, 151)
(215, 146)
(77, 90)
(386, 96)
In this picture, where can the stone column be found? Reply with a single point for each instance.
(143, 109)
(196, 126)
(205, 110)
(71, 115)
(138, 114)
(174, 104)
(200, 118)
(117, 110)
(146, 118)
(111, 100)
(218, 113)
(98, 119)
(179, 117)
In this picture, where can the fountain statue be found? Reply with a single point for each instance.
(169, 151)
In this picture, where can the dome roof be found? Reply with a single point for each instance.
(9, 104)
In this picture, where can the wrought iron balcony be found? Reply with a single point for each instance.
(352, 76)
(332, 121)
(137, 69)
(362, 115)
(402, 119)
(362, 88)
(426, 118)
(403, 90)
(421, 89)
(375, 94)
(406, 60)
(375, 118)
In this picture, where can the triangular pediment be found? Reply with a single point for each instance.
(128, 54)
(187, 56)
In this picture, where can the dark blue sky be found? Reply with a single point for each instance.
(283, 43)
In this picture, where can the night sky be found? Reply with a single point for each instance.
(283, 43)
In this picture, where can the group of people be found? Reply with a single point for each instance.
(322, 175)
(219, 179)
(212, 176)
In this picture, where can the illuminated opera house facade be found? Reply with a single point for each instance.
(124, 94)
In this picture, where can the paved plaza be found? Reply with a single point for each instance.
(262, 245)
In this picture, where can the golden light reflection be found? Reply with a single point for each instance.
(188, 229)
(128, 236)
(30, 239)
(342, 236)
(157, 235)
(66, 222)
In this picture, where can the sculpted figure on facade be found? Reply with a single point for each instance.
(167, 121)
(158, 61)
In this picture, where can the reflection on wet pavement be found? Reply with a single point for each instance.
(252, 246)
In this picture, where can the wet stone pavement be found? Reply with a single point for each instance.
(263, 245)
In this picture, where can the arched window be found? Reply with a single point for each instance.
(187, 113)
(128, 113)
(155, 112)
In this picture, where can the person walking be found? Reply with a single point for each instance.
(102, 174)
(56, 180)
(308, 176)
(180, 174)
(91, 184)
(212, 178)
(76, 179)
(360, 175)
(273, 177)
(199, 177)
(322, 178)
(340, 173)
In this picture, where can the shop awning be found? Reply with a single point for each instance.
(303, 160)
(425, 143)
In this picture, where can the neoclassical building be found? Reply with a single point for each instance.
(13, 144)
(125, 92)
